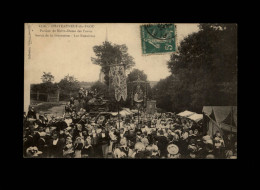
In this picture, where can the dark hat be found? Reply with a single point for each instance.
(192, 142)
(161, 132)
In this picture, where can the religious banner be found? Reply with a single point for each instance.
(151, 107)
(118, 81)
(139, 95)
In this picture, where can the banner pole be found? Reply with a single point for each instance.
(118, 115)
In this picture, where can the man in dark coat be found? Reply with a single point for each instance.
(56, 147)
(36, 138)
(61, 124)
(162, 144)
(72, 101)
(42, 145)
(104, 142)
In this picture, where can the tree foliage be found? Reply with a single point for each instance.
(69, 83)
(162, 94)
(134, 74)
(47, 77)
(100, 88)
(204, 70)
(68, 86)
(108, 54)
(47, 85)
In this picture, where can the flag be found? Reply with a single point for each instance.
(118, 81)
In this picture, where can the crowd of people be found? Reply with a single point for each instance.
(84, 135)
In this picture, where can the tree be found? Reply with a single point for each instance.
(100, 88)
(162, 94)
(69, 86)
(108, 54)
(133, 75)
(69, 83)
(206, 68)
(47, 85)
(47, 77)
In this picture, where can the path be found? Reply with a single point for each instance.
(58, 110)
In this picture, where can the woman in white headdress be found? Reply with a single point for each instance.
(121, 151)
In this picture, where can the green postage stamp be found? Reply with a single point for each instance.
(158, 38)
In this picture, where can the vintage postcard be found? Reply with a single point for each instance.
(130, 90)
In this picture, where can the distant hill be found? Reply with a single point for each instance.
(153, 83)
(86, 84)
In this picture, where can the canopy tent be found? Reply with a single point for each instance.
(191, 115)
(186, 113)
(123, 113)
(128, 111)
(196, 117)
(134, 111)
(221, 118)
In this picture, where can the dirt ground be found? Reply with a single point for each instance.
(56, 109)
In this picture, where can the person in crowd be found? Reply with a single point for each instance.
(28, 141)
(192, 149)
(84, 135)
(162, 143)
(88, 151)
(122, 150)
(104, 142)
(56, 147)
(68, 150)
(139, 151)
(31, 113)
(33, 152)
(78, 146)
(42, 145)
(71, 102)
(219, 145)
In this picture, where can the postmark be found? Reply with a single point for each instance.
(158, 38)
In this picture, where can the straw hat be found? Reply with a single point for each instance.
(173, 149)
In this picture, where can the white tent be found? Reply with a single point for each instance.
(114, 113)
(196, 117)
(220, 118)
(124, 113)
(186, 113)
(128, 111)
(134, 111)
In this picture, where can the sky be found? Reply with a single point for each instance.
(70, 55)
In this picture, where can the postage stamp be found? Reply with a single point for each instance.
(158, 38)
